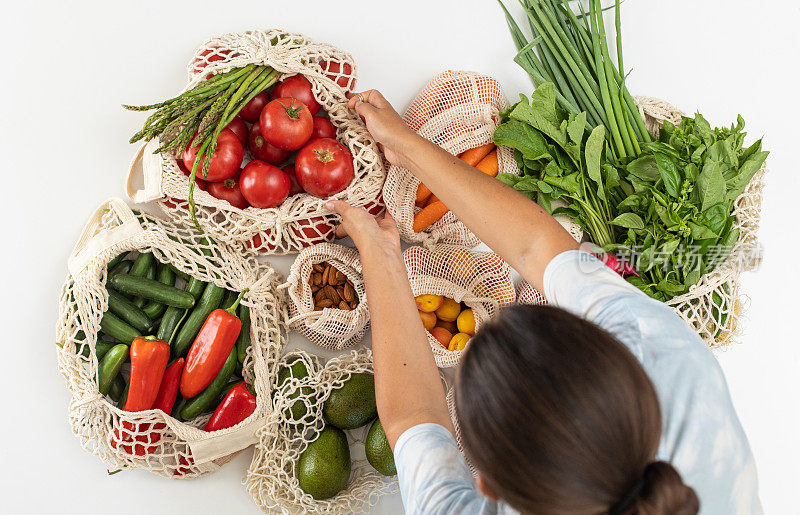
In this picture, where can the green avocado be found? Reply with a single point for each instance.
(324, 467)
(296, 370)
(352, 405)
(379, 454)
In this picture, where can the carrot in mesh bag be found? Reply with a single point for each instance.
(458, 111)
(457, 290)
(309, 400)
(327, 299)
(131, 427)
(301, 220)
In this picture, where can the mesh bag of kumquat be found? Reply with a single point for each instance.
(152, 439)
(527, 294)
(302, 219)
(327, 300)
(459, 111)
(456, 290)
(302, 424)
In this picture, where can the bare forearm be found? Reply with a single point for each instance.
(519, 230)
(407, 384)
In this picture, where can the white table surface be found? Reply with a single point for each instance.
(67, 67)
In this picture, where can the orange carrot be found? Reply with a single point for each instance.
(429, 216)
(489, 165)
(431, 200)
(473, 156)
(423, 194)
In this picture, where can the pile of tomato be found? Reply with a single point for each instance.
(293, 148)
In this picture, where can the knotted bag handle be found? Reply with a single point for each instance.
(152, 168)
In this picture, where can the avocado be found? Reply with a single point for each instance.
(352, 405)
(379, 454)
(324, 467)
(297, 370)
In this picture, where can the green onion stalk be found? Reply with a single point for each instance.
(200, 114)
(571, 51)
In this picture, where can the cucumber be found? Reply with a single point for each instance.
(123, 267)
(209, 301)
(243, 342)
(169, 322)
(203, 400)
(138, 300)
(142, 267)
(153, 290)
(111, 264)
(229, 299)
(101, 348)
(155, 309)
(113, 326)
(195, 287)
(183, 275)
(129, 312)
(110, 366)
(117, 388)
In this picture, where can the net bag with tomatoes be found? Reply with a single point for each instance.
(327, 300)
(458, 111)
(269, 107)
(142, 299)
(456, 291)
(323, 450)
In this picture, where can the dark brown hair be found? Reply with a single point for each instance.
(560, 417)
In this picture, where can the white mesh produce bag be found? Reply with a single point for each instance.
(527, 294)
(302, 219)
(482, 280)
(272, 478)
(331, 328)
(174, 449)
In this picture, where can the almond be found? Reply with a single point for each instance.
(318, 267)
(326, 274)
(340, 277)
(348, 293)
(318, 279)
(319, 296)
(353, 304)
(330, 292)
(325, 303)
(344, 305)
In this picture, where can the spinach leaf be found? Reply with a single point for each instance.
(669, 174)
(628, 220)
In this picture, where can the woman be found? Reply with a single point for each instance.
(604, 401)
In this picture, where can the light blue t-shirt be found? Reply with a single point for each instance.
(701, 436)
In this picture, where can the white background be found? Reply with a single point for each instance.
(67, 67)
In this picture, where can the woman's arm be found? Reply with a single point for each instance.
(519, 230)
(407, 384)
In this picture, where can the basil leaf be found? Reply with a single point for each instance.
(669, 174)
(628, 220)
(710, 185)
(644, 168)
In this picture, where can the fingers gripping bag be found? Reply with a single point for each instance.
(327, 299)
(479, 281)
(302, 219)
(279, 474)
(457, 110)
(152, 439)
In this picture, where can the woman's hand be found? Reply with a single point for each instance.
(385, 125)
(367, 232)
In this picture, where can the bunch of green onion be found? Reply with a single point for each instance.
(198, 115)
(571, 50)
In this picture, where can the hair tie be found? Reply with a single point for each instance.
(628, 500)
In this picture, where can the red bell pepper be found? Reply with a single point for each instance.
(210, 349)
(184, 462)
(168, 390)
(149, 358)
(237, 405)
(124, 438)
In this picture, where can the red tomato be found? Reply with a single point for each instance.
(200, 183)
(259, 243)
(324, 167)
(260, 149)
(224, 163)
(263, 185)
(286, 123)
(297, 87)
(323, 128)
(199, 62)
(333, 69)
(239, 128)
(289, 170)
(229, 191)
(376, 206)
(314, 230)
(252, 109)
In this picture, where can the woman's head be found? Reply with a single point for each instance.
(559, 417)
